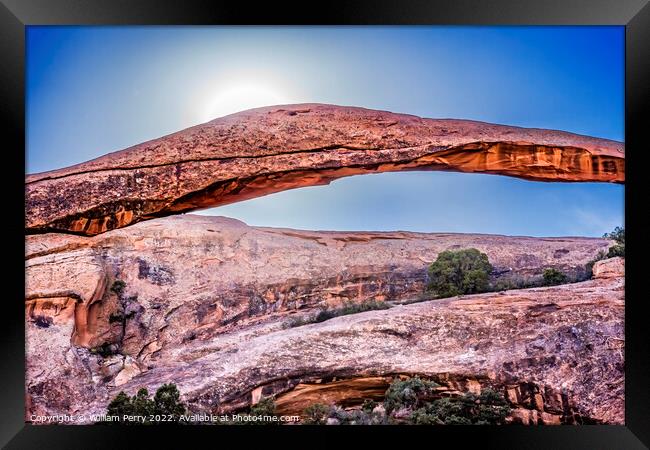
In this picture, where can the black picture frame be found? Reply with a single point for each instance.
(15, 15)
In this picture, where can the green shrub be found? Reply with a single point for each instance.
(118, 287)
(120, 405)
(418, 403)
(444, 410)
(493, 408)
(142, 404)
(326, 314)
(359, 417)
(265, 407)
(368, 405)
(350, 308)
(457, 420)
(490, 408)
(514, 282)
(553, 277)
(370, 305)
(166, 403)
(459, 272)
(589, 267)
(106, 349)
(421, 417)
(407, 393)
(323, 315)
(618, 249)
(316, 414)
(120, 316)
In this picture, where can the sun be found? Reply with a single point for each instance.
(235, 98)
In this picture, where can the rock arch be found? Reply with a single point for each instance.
(266, 150)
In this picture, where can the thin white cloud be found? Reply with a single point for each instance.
(593, 222)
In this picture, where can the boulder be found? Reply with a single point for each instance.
(609, 268)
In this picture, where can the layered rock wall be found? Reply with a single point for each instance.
(192, 275)
(207, 302)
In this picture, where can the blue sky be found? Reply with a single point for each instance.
(93, 90)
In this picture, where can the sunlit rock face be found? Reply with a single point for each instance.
(266, 150)
(201, 274)
(208, 299)
(609, 268)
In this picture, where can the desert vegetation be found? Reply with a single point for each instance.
(468, 272)
(415, 401)
(412, 401)
(618, 236)
(164, 407)
(406, 401)
(589, 267)
(454, 272)
(459, 272)
(553, 277)
(618, 249)
(326, 314)
(261, 413)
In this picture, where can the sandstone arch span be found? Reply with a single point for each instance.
(266, 150)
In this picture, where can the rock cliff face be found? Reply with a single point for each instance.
(266, 150)
(188, 275)
(207, 301)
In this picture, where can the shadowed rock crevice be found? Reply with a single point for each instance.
(538, 162)
(530, 402)
(267, 150)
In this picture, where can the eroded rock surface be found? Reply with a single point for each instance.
(542, 344)
(207, 301)
(266, 150)
(189, 275)
(609, 268)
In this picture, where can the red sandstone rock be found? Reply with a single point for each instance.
(207, 299)
(200, 274)
(214, 295)
(266, 150)
(609, 268)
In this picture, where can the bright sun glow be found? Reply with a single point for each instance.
(237, 98)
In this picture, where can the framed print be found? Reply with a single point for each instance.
(409, 220)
